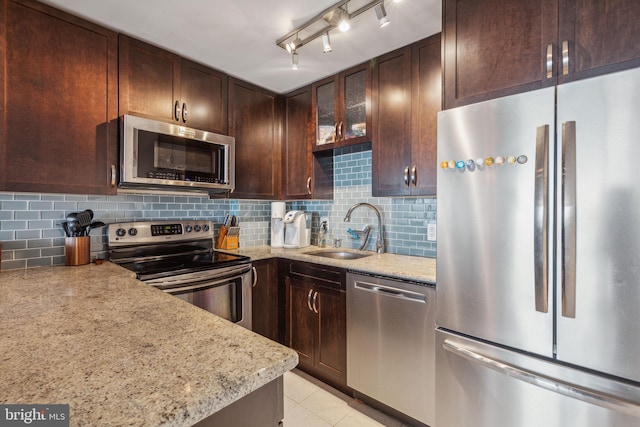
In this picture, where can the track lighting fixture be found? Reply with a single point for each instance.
(336, 16)
(326, 43)
(381, 13)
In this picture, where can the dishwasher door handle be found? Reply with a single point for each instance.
(392, 292)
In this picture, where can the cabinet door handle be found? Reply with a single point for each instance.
(336, 132)
(113, 175)
(339, 134)
(184, 112)
(309, 185)
(550, 60)
(255, 277)
(315, 300)
(406, 177)
(309, 299)
(176, 111)
(414, 177)
(565, 57)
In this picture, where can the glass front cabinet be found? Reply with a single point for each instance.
(342, 108)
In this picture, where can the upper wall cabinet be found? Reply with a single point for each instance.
(341, 108)
(59, 80)
(406, 99)
(159, 84)
(494, 48)
(255, 117)
(298, 136)
(306, 175)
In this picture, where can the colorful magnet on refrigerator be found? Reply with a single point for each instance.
(500, 160)
(489, 161)
(522, 159)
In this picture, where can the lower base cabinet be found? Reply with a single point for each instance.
(264, 299)
(315, 310)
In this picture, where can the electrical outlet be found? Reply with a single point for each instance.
(431, 232)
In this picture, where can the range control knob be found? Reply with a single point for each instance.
(188, 229)
(197, 228)
(205, 227)
(133, 231)
(120, 232)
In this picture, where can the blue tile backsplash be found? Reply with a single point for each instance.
(31, 235)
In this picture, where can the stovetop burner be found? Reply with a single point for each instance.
(136, 247)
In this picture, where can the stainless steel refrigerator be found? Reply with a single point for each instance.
(538, 266)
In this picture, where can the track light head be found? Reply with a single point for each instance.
(326, 43)
(338, 18)
(294, 60)
(381, 13)
(293, 45)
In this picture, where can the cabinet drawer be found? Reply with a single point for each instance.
(321, 275)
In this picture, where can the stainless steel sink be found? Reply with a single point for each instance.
(337, 254)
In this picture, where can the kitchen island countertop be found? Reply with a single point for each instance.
(120, 352)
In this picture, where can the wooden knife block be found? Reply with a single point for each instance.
(228, 239)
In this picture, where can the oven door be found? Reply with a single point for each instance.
(225, 292)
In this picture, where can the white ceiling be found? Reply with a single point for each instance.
(238, 36)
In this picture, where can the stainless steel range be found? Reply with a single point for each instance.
(178, 258)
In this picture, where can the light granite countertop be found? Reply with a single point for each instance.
(404, 267)
(120, 352)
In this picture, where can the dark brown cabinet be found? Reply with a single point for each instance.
(494, 48)
(159, 84)
(341, 108)
(298, 139)
(406, 91)
(306, 175)
(255, 117)
(316, 319)
(59, 109)
(264, 301)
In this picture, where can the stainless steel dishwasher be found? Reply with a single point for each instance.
(391, 343)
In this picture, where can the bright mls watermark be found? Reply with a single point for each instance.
(34, 415)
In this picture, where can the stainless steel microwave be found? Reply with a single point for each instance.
(165, 156)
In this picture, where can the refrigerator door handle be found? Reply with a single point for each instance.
(566, 389)
(569, 219)
(540, 242)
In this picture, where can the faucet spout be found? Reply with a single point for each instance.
(380, 239)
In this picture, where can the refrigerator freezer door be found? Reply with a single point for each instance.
(486, 386)
(492, 269)
(598, 290)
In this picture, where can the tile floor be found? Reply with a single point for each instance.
(311, 403)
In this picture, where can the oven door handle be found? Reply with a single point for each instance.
(201, 285)
(200, 276)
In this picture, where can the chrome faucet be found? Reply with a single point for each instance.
(379, 240)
